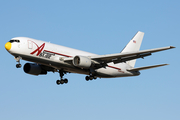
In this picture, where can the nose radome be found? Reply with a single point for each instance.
(8, 46)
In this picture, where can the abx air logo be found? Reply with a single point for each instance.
(39, 50)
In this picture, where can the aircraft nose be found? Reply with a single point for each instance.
(8, 46)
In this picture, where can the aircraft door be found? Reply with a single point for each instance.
(30, 44)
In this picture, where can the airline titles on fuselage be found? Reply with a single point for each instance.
(46, 54)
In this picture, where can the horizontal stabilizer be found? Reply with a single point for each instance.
(147, 67)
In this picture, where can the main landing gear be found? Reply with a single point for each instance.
(62, 81)
(18, 60)
(90, 77)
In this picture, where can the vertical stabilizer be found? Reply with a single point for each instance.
(133, 46)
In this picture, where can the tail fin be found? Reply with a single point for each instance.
(133, 46)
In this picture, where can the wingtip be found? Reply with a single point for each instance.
(163, 65)
(172, 47)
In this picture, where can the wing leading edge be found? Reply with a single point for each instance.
(102, 60)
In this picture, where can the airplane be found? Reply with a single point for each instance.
(48, 57)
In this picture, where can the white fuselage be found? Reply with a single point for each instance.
(52, 55)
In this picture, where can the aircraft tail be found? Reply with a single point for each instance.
(134, 46)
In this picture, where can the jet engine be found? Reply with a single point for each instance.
(82, 62)
(34, 69)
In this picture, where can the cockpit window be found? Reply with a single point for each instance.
(11, 41)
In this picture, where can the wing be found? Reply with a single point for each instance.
(122, 57)
(102, 60)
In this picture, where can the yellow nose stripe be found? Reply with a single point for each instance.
(8, 46)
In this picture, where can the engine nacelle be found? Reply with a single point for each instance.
(82, 62)
(34, 69)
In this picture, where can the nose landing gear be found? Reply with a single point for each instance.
(18, 60)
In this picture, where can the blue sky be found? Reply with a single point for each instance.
(101, 27)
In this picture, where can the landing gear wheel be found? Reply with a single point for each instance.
(95, 77)
(58, 82)
(18, 65)
(66, 81)
(87, 78)
(91, 77)
(62, 81)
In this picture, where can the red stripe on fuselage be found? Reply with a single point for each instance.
(114, 67)
(71, 56)
(119, 69)
(57, 53)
